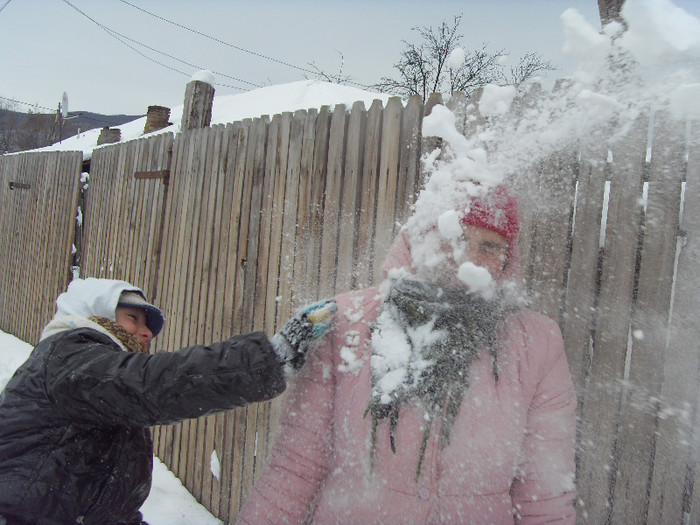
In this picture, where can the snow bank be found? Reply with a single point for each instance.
(169, 502)
(13, 352)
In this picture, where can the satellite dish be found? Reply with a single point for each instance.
(64, 105)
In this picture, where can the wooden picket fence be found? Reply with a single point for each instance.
(230, 228)
(38, 206)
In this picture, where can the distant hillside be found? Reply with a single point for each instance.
(22, 131)
(86, 120)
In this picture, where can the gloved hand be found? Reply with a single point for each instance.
(292, 341)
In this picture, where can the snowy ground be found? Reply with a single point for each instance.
(169, 502)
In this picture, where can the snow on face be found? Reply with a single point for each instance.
(449, 226)
(478, 279)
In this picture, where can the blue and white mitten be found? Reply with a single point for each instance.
(309, 323)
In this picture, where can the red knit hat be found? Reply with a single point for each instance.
(497, 211)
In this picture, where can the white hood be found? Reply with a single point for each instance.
(89, 297)
(86, 298)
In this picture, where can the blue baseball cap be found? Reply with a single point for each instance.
(154, 317)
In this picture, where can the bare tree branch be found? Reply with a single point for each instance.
(423, 66)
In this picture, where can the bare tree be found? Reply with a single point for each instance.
(335, 78)
(423, 67)
(22, 131)
(35, 131)
(9, 126)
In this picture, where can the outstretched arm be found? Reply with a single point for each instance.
(92, 381)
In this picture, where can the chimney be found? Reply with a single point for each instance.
(109, 135)
(156, 118)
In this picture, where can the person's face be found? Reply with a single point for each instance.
(477, 245)
(133, 320)
(485, 248)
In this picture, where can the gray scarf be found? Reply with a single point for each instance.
(469, 323)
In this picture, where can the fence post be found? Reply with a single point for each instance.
(199, 99)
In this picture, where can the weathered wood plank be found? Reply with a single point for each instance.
(318, 190)
(255, 169)
(676, 442)
(291, 223)
(190, 290)
(368, 196)
(169, 435)
(331, 204)
(636, 443)
(233, 206)
(386, 228)
(270, 222)
(206, 267)
(548, 264)
(183, 256)
(578, 321)
(305, 253)
(350, 198)
(268, 272)
(410, 183)
(602, 399)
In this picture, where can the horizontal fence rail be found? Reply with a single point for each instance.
(231, 228)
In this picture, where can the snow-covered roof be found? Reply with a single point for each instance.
(271, 100)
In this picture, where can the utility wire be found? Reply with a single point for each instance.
(254, 53)
(259, 55)
(4, 5)
(80, 113)
(26, 103)
(121, 38)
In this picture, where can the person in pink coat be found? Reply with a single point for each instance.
(438, 398)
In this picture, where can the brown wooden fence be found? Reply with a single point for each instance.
(38, 207)
(261, 216)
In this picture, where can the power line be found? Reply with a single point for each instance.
(254, 53)
(80, 113)
(26, 104)
(185, 62)
(4, 5)
(120, 38)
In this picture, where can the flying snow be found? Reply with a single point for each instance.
(456, 58)
(506, 149)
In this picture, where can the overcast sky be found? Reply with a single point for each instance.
(52, 46)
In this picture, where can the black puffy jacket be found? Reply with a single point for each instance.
(74, 442)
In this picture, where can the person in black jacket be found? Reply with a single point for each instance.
(74, 440)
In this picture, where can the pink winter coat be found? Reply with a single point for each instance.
(511, 452)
